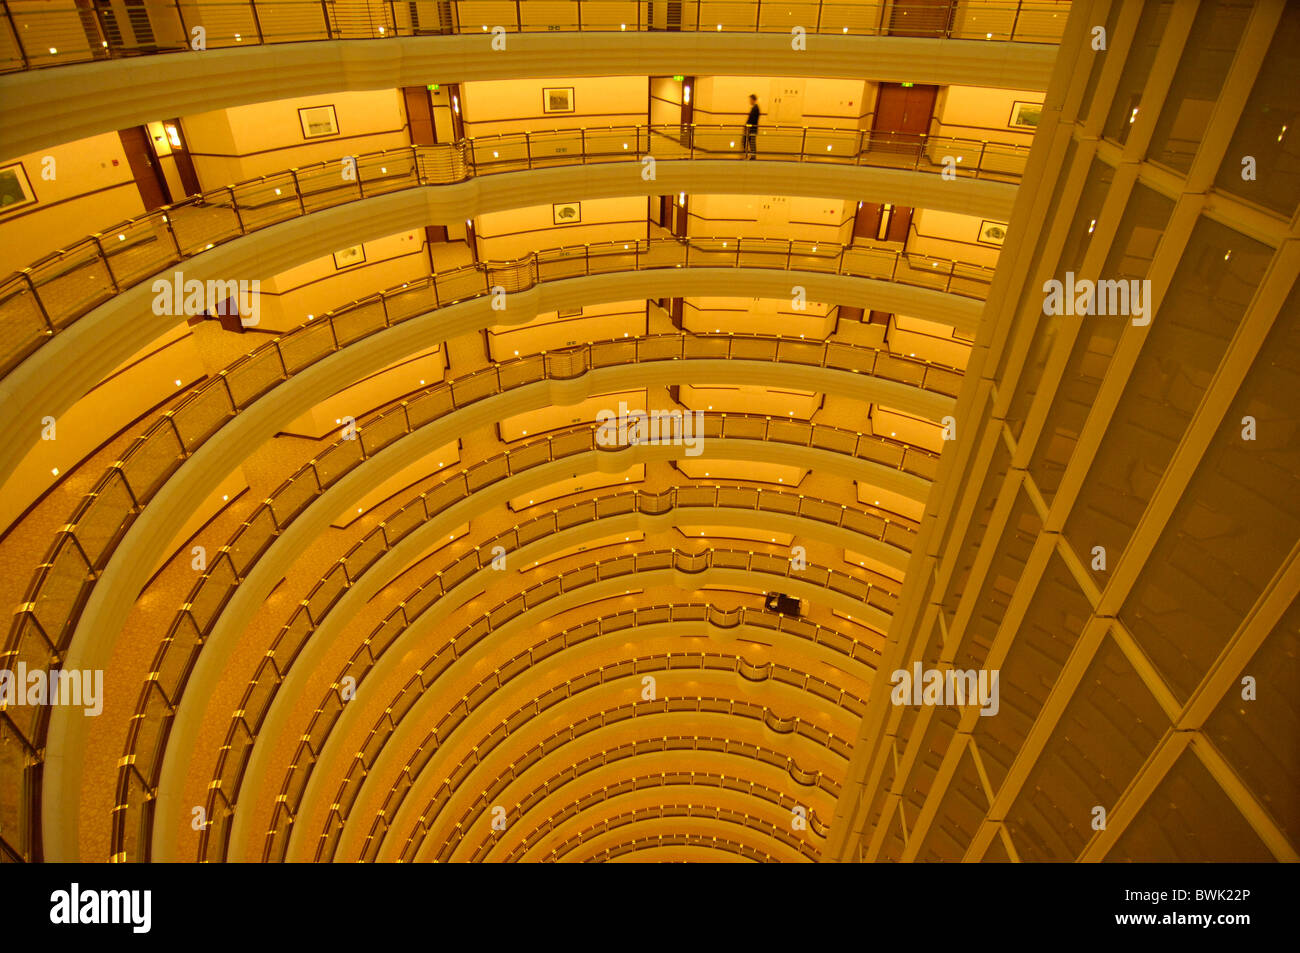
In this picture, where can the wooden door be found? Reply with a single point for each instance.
(144, 167)
(903, 116)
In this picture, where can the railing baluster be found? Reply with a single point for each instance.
(18, 40)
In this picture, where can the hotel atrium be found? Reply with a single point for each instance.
(594, 430)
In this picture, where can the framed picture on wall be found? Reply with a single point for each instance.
(567, 213)
(992, 233)
(347, 257)
(1025, 115)
(318, 122)
(557, 99)
(15, 189)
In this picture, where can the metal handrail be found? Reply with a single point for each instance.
(66, 285)
(33, 36)
(295, 633)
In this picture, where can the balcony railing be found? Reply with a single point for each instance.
(262, 689)
(557, 782)
(619, 624)
(45, 298)
(179, 652)
(656, 743)
(84, 547)
(42, 33)
(43, 628)
(492, 621)
(723, 816)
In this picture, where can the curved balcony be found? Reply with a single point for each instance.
(707, 790)
(262, 689)
(680, 815)
(195, 624)
(661, 713)
(44, 299)
(84, 548)
(704, 848)
(603, 514)
(35, 35)
(719, 712)
(417, 767)
(724, 749)
(765, 796)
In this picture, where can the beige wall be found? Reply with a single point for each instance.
(231, 145)
(512, 234)
(321, 285)
(515, 105)
(87, 188)
(830, 103)
(974, 112)
(949, 235)
(160, 371)
(771, 216)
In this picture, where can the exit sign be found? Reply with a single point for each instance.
(679, 77)
(906, 85)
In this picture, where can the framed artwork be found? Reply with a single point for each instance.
(567, 213)
(15, 189)
(557, 99)
(1025, 115)
(347, 257)
(992, 233)
(318, 122)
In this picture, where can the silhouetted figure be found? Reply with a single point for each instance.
(751, 129)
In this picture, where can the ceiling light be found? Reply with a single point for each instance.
(55, 471)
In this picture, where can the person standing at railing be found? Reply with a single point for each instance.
(751, 129)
